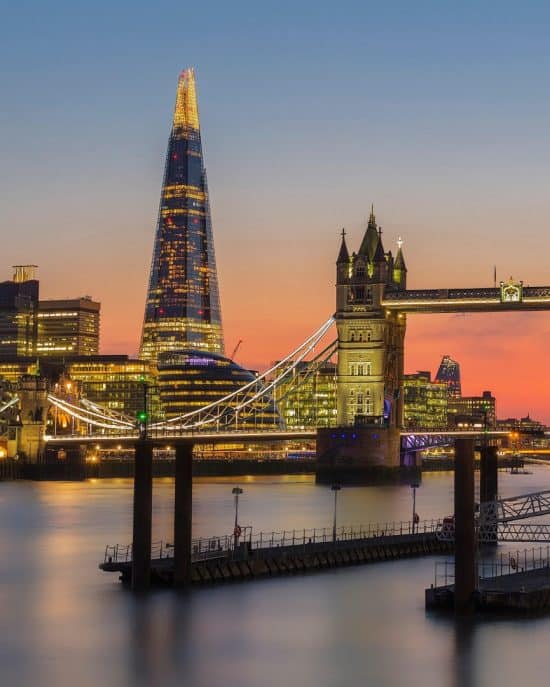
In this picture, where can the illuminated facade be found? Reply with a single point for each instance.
(425, 402)
(473, 410)
(370, 337)
(18, 310)
(182, 310)
(189, 380)
(306, 398)
(115, 382)
(449, 373)
(68, 327)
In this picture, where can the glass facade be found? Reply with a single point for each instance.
(68, 327)
(183, 308)
(18, 308)
(425, 402)
(307, 398)
(189, 380)
(449, 372)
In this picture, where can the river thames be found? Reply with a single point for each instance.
(64, 622)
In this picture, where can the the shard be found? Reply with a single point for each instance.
(183, 306)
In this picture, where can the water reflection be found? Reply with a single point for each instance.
(63, 622)
(464, 636)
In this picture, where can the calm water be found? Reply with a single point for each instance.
(63, 622)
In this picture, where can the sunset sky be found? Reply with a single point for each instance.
(309, 112)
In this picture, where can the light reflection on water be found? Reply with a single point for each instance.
(63, 622)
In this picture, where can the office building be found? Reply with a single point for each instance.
(18, 311)
(449, 373)
(68, 327)
(425, 402)
(182, 309)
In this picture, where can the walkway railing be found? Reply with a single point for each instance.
(213, 547)
(508, 563)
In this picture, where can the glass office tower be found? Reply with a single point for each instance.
(183, 306)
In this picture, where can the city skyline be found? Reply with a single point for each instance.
(442, 127)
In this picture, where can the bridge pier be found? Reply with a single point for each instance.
(183, 506)
(465, 540)
(143, 516)
(488, 491)
(488, 474)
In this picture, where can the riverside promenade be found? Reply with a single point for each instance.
(269, 554)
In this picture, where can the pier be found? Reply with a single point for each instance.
(217, 559)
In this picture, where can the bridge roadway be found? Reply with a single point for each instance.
(466, 300)
(253, 437)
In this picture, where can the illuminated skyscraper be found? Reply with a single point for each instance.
(183, 306)
(449, 372)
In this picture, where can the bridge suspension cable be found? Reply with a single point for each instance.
(88, 416)
(245, 396)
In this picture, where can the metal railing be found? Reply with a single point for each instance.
(509, 563)
(224, 546)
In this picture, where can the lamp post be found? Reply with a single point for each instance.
(335, 488)
(142, 415)
(415, 518)
(236, 530)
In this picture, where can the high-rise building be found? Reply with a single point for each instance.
(449, 372)
(68, 327)
(189, 380)
(182, 310)
(425, 402)
(307, 396)
(18, 308)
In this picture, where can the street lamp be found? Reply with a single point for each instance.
(335, 488)
(415, 518)
(236, 530)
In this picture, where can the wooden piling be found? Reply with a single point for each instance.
(183, 505)
(143, 515)
(465, 543)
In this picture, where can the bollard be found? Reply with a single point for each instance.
(143, 515)
(465, 543)
(183, 508)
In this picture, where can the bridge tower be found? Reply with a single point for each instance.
(32, 392)
(370, 356)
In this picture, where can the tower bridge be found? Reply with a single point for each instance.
(372, 304)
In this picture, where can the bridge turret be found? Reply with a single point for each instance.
(32, 392)
(343, 265)
(399, 267)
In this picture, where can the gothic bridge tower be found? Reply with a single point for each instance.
(370, 356)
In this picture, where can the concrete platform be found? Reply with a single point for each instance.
(520, 592)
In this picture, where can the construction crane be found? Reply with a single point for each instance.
(234, 352)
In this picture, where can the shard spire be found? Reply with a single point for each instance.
(182, 309)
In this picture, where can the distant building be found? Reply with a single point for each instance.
(18, 311)
(68, 327)
(113, 381)
(473, 411)
(307, 397)
(189, 380)
(449, 373)
(182, 310)
(425, 401)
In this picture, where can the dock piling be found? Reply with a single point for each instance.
(143, 515)
(465, 542)
(183, 505)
